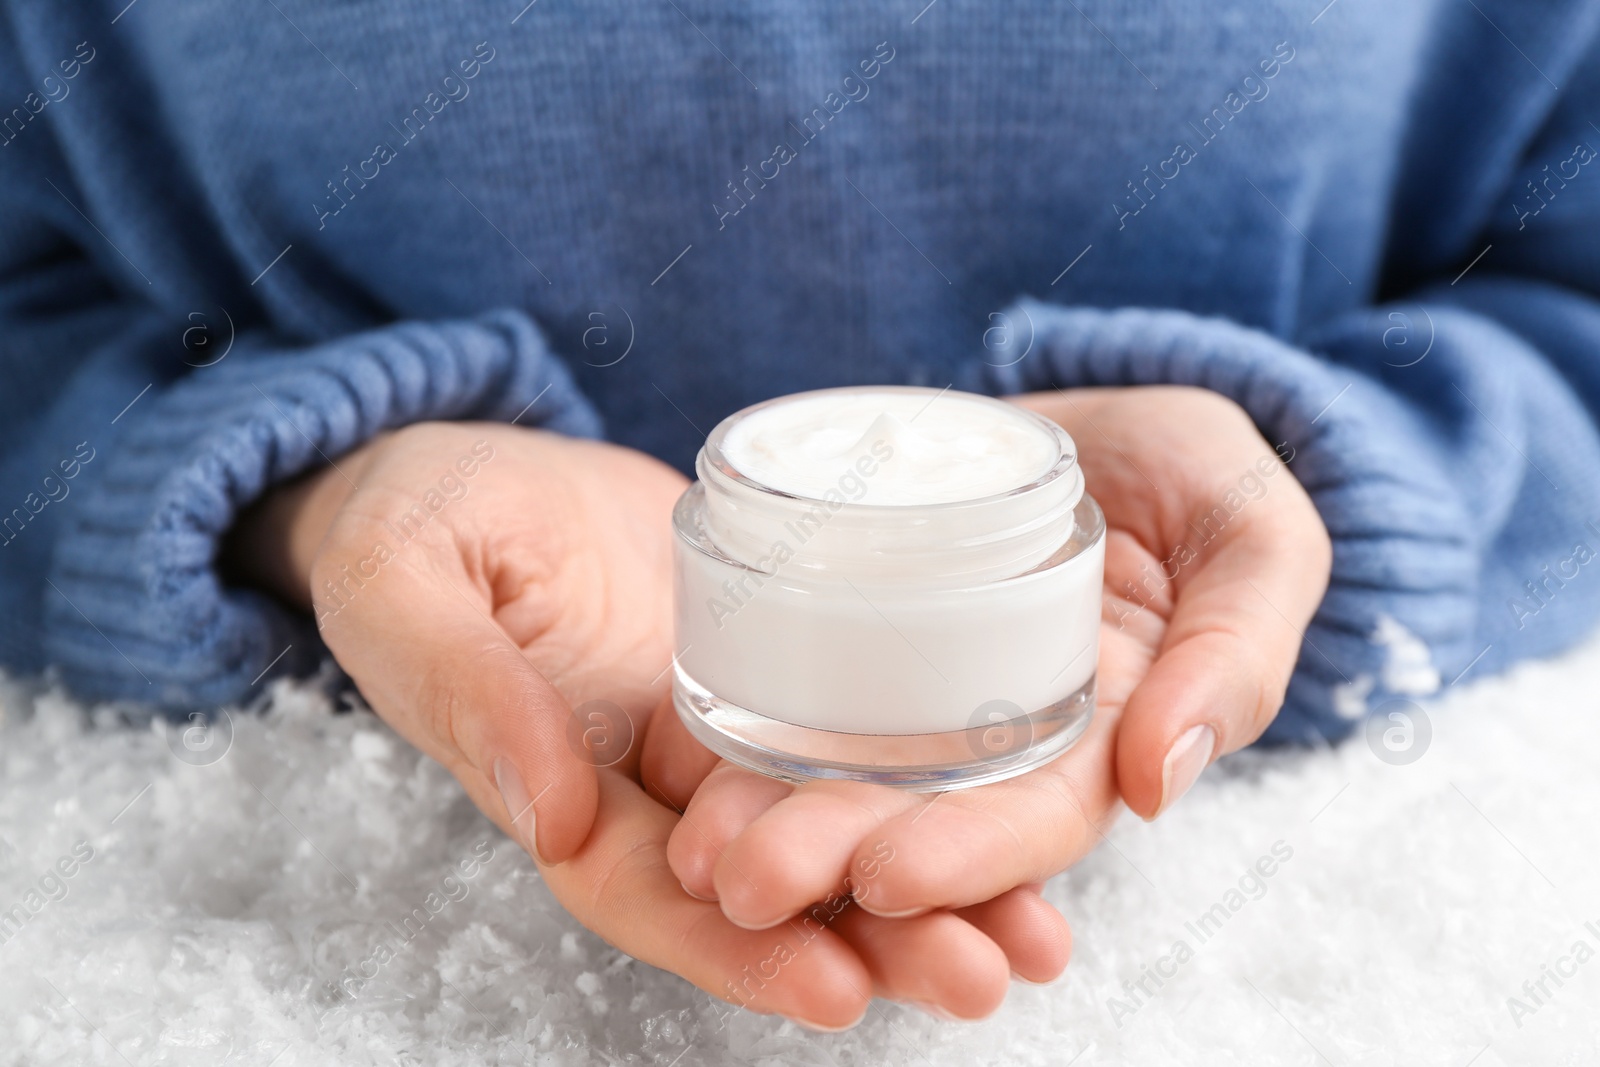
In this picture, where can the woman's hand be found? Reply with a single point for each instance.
(478, 583)
(502, 597)
(1215, 561)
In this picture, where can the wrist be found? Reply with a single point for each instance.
(273, 542)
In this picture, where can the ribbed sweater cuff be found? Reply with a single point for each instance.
(143, 614)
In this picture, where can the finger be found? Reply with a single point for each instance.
(1229, 651)
(800, 848)
(729, 799)
(421, 643)
(1029, 930)
(674, 763)
(620, 886)
(939, 962)
(963, 848)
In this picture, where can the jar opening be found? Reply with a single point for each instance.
(838, 529)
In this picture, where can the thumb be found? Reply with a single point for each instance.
(435, 665)
(1226, 660)
(516, 732)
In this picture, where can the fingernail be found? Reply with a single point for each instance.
(696, 896)
(819, 1028)
(1189, 756)
(1030, 981)
(748, 924)
(935, 1011)
(905, 914)
(519, 806)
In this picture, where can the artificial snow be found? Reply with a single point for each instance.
(308, 890)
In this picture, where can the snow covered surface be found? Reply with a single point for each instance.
(224, 895)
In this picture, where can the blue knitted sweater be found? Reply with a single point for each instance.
(236, 241)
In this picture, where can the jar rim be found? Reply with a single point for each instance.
(711, 453)
(690, 528)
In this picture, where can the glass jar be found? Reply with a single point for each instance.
(928, 646)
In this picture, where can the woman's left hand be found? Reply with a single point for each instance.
(1198, 642)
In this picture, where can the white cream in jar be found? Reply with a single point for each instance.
(890, 584)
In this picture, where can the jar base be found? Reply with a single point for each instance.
(991, 751)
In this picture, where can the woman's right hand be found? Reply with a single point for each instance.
(477, 610)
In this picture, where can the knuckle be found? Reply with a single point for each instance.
(1269, 680)
(622, 884)
(1261, 669)
(439, 706)
(449, 704)
(1215, 408)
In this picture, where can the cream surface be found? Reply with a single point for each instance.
(921, 447)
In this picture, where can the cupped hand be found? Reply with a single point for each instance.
(502, 597)
(1215, 561)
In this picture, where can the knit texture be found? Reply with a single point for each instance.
(136, 607)
(235, 243)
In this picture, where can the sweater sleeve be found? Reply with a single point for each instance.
(132, 603)
(1448, 438)
(131, 436)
